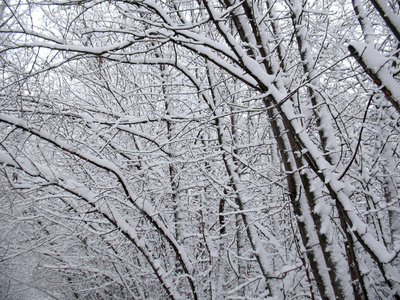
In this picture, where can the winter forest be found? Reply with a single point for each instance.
(199, 149)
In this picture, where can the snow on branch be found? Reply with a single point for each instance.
(145, 207)
(108, 211)
(391, 19)
(374, 64)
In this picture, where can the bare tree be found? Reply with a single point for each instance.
(204, 149)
